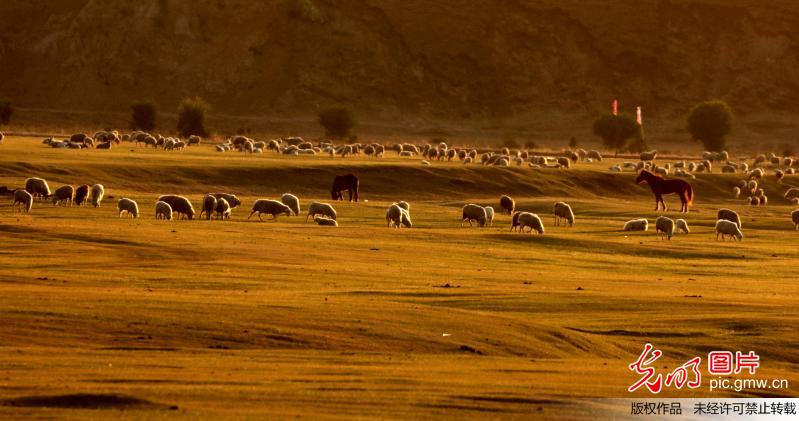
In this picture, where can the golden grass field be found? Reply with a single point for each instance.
(243, 318)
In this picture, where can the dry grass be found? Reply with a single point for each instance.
(241, 318)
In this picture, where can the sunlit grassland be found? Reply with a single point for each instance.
(243, 317)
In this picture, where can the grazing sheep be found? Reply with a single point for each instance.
(664, 227)
(594, 155)
(725, 227)
(763, 200)
(564, 162)
(615, 168)
(489, 215)
(209, 206)
(194, 140)
(527, 219)
(754, 201)
(756, 173)
(507, 204)
(752, 186)
(179, 204)
(682, 226)
(318, 208)
(795, 219)
(22, 198)
(791, 193)
(222, 208)
(404, 205)
(563, 211)
(97, 194)
(729, 215)
(269, 207)
(736, 191)
(649, 156)
(780, 175)
(326, 222)
(472, 212)
(760, 193)
(63, 195)
(728, 169)
(397, 217)
(163, 210)
(636, 225)
(37, 187)
(795, 201)
(129, 206)
(425, 162)
(292, 202)
(232, 200)
(81, 194)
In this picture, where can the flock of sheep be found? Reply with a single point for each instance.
(398, 215)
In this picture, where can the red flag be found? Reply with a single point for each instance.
(638, 116)
(615, 107)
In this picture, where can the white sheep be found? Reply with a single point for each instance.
(22, 198)
(97, 194)
(562, 210)
(725, 227)
(489, 215)
(269, 207)
(292, 202)
(636, 225)
(729, 215)
(209, 206)
(664, 226)
(222, 208)
(472, 212)
(163, 210)
(129, 206)
(736, 191)
(682, 226)
(318, 208)
(397, 217)
(527, 219)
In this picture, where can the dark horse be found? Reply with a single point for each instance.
(661, 186)
(347, 182)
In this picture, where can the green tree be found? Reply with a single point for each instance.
(337, 122)
(191, 117)
(6, 110)
(710, 122)
(617, 130)
(142, 115)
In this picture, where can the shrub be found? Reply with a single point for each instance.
(638, 145)
(191, 117)
(142, 115)
(617, 130)
(573, 143)
(337, 122)
(710, 122)
(6, 110)
(530, 145)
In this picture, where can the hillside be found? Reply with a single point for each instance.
(542, 67)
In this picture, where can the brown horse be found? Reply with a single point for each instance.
(347, 182)
(661, 186)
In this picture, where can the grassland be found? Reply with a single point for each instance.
(246, 319)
